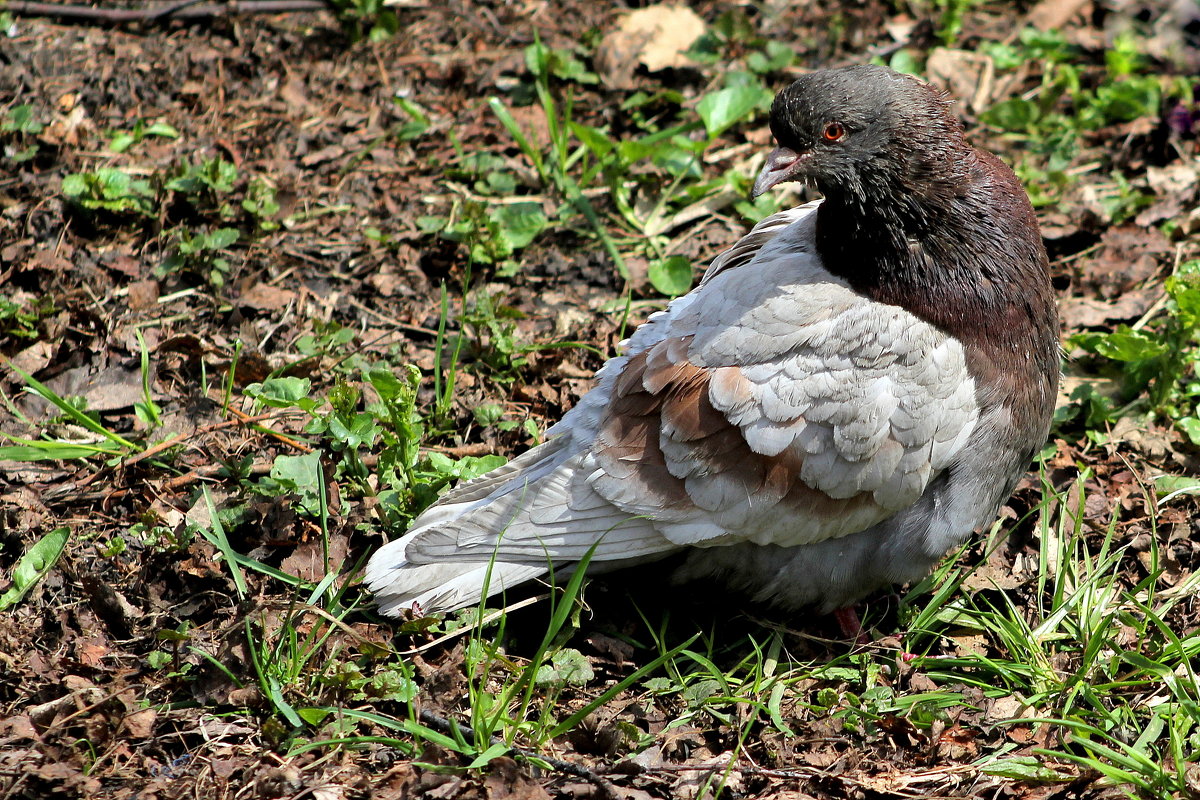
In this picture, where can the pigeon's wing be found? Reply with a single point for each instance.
(781, 407)
(746, 248)
(540, 509)
(772, 404)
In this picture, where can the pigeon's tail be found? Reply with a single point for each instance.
(399, 585)
(534, 515)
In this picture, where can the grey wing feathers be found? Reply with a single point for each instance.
(746, 248)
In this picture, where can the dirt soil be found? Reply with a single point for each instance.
(294, 103)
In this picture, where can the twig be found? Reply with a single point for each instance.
(184, 9)
(463, 631)
(249, 420)
(216, 426)
(443, 725)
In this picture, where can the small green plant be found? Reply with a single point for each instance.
(19, 126)
(201, 253)
(580, 157)
(328, 340)
(120, 141)
(1157, 366)
(205, 183)
(416, 123)
(950, 21)
(21, 320)
(260, 202)
(372, 19)
(1052, 120)
(404, 480)
(161, 538)
(110, 189)
(493, 328)
(491, 234)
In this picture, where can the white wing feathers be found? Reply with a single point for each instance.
(771, 405)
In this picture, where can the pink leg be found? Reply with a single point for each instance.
(847, 620)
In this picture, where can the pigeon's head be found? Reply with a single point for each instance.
(867, 132)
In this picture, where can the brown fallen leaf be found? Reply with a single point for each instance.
(264, 297)
(140, 724)
(1051, 15)
(657, 37)
(505, 779)
(1088, 312)
(109, 388)
(964, 74)
(143, 294)
(1130, 255)
(35, 358)
(307, 561)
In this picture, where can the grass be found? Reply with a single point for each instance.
(1078, 667)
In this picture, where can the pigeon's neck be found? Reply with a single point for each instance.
(967, 258)
(960, 257)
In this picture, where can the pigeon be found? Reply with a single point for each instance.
(851, 391)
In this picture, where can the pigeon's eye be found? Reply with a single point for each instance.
(834, 131)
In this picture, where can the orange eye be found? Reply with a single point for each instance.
(834, 131)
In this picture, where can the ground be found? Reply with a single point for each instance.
(268, 283)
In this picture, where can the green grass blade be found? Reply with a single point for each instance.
(82, 419)
(215, 534)
(514, 130)
(34, 450)
(608, 694)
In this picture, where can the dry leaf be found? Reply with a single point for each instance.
(263, 297)
(140, 724)
(964, 74)
(657, 37)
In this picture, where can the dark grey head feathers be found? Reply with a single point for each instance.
(866, 132)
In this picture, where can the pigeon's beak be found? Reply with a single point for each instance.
(782, 165)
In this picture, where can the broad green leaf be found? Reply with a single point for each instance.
(298, 473)
(777, 56)
(493, 752)
(163, 129)
(593, 139)
(566, 666)
(1190, 426)
(313, 716)
(1015, 114)
(282, 392)
(672, 275)
(1169, 487)
(74, 185)
(519, 223)
(726, 107)
(905, 60)
(121, 142)
(222, 238)
(21, 120)
(1122, 344)
(431, 224)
